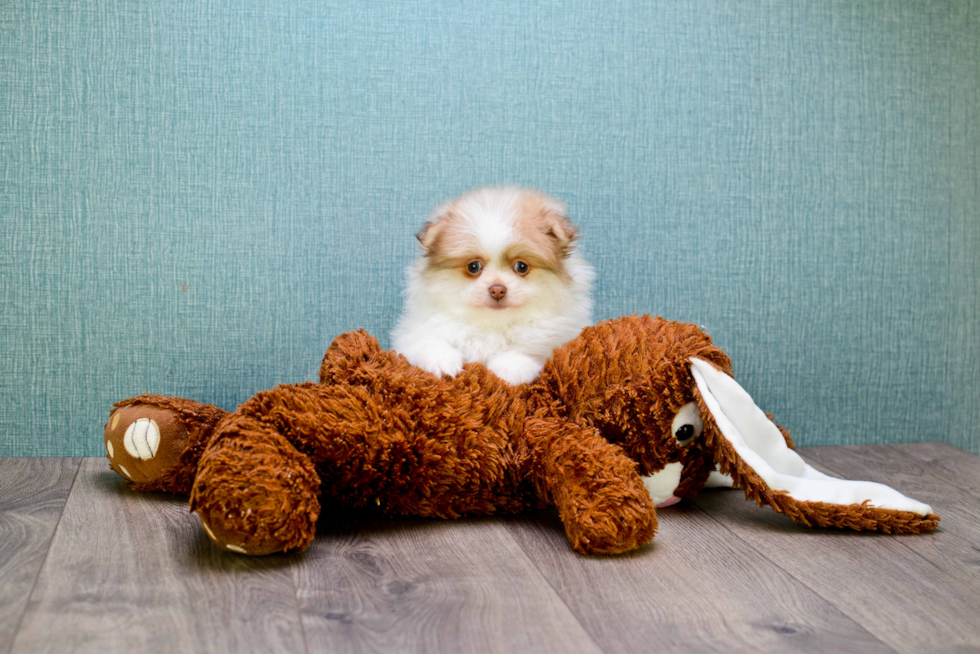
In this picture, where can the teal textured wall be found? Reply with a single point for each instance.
(197, 196)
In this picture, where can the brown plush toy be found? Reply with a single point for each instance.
(635, 412)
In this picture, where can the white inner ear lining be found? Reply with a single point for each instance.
(761, 446)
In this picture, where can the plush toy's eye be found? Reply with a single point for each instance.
(474, 267)
(687, 424)
(521, 267)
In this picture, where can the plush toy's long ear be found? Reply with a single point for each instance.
(749, 447)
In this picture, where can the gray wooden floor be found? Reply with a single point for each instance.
(87, 565)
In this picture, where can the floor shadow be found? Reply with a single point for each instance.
(114, 484)
(201, 553)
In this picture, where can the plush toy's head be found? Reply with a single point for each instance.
(665, 394)
(630, 378)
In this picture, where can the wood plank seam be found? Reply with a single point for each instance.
(47, 553)
(163, 587)
(950, 478)
(299, 608)
(938, 479)
(951, 560)
(800, 581)
(408, 584)
(543, 577)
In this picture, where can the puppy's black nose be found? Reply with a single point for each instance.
(498, 291)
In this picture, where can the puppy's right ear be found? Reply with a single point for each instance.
(430, 230)
(427, 235)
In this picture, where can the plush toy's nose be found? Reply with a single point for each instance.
(662, 484)
(497, 291)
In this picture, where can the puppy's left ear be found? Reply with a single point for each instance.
(557, 223)
(748, 446)
(564, 231)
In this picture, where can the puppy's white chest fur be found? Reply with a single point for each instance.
(441, 343)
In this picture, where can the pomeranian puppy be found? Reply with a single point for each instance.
(499, 282)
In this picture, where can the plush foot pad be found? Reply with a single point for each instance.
(227, 537)
(143, 442)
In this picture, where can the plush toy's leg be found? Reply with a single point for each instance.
(254, 492)
(599, 494)
(155, 441)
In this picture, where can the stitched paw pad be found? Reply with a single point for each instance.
(142, 441)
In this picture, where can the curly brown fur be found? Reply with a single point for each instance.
(628, 378)
(442, 452)
(377, 431)
(254, 491)
(583, 474)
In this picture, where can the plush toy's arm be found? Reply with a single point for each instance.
(599, 493)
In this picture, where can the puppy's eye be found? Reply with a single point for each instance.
(521, 267)
(474, 267)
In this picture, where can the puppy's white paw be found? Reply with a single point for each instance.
(438, 358)
(515, 368)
